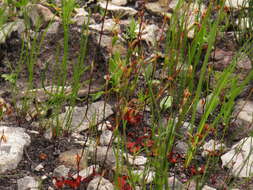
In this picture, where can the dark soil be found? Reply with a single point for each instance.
(47, 67)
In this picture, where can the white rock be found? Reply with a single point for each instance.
(138, 160)
(104, 126)
(61, 171)
(181, 147)
(28, 183)
(81, 11)
(11, 150)
(103, 155)
(87, 172)
(109, 26)
(240, 158)
(174, 183)
(78, 122)
(148, 176)
(100, 183)
(41, 15)
(189, 11)
(48, 134)
(81, 17)
(192, 185)
(157, 8)
(119, 2)
(43, 177)
(206, 187)
(106, 137)
(68, 158)
(237, 4)
(213, 146)
(244, 64)
(108, 48)
(87, 142)
(53, 28)
(80, 142)
(243, 23)
(39, 167)
(118, 9)
(33, 132)
(244, 110)
(8, 28)
(243, 114)
(90, 143)
(149, 34)
(192, 14)
(183, 129)
(135, 160)
(43, 94)
(202, 104)
(77, 135)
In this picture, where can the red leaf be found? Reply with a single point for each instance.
(59, 183)
(202, 169)
(130, 145)
(90, 177)
(132, 116)
(140, 139)
(193, 170)
(131, 134)
(149, 143)
(79, 179)
(173, 157)
(173, 160)
(135, 149)
(43, 156)
(123, 185)
(73, 183)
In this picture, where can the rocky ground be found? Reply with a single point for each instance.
(85, 158)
